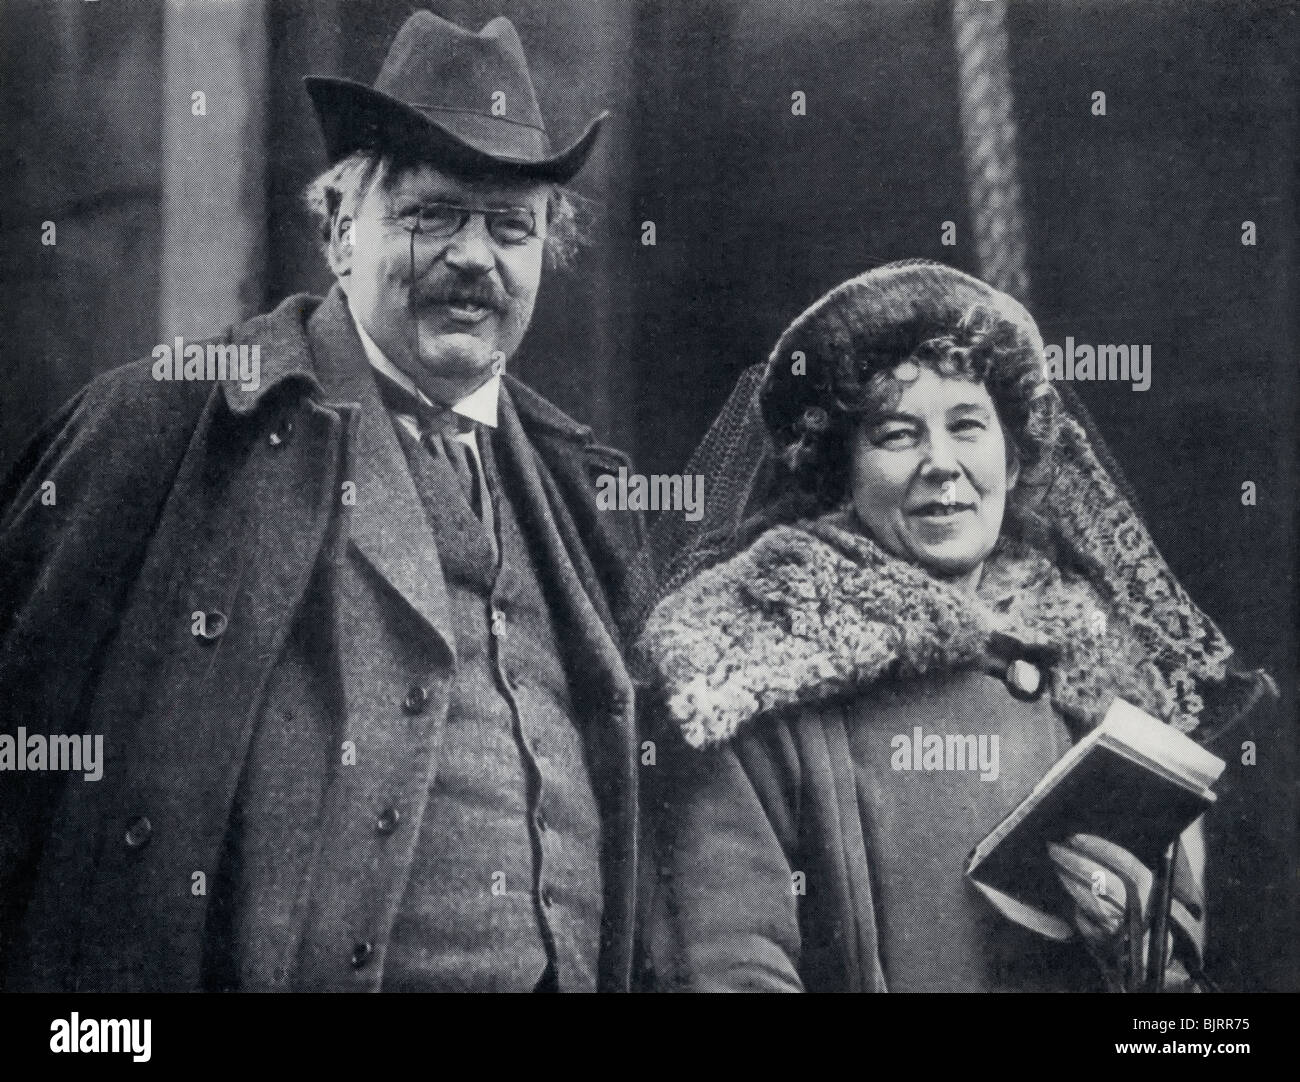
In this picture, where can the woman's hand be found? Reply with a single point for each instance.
(1111, 891)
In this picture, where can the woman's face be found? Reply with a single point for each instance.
(929, 479)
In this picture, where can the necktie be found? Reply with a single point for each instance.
(440, 435)
(438, 429)
(441, 438)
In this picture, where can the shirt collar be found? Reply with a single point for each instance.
(479, 405)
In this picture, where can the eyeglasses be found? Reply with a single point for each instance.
(440, 221)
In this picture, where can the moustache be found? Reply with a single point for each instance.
(482, 293)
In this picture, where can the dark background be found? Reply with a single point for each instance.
(1133, 222)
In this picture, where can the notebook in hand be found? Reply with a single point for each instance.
(1133, 780)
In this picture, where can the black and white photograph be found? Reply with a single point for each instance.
(649, 497)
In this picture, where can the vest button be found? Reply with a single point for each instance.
(540, 819)
(547, 900)
(138, 832)
(498, 623)
(1024, 678)
(388, 820)
(417, 698)
(361, 953)
(211, 627)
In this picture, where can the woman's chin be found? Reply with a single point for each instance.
(947, 562)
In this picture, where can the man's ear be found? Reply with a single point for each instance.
(341, 245)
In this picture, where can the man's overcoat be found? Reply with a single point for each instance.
(158, 538)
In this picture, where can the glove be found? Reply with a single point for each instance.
(1111, 892)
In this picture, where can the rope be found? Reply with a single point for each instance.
(989, 144)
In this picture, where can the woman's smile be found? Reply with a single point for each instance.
(938, 510)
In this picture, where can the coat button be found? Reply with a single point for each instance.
(138, 832)
(280, 436)
(540, 819)
(1024, 678)
(361, 953)
(417, 698)
(388, 820)
(211, 627)
(547, 899)
(498, 623)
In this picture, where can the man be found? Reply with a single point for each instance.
(350, 630)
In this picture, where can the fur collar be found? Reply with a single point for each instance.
(817, 609)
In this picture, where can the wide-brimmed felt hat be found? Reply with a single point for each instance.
(456, 97)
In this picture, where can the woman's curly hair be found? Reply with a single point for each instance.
(834, 369)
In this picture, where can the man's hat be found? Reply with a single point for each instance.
(460, 98)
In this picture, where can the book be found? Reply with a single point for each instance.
(1133, 780)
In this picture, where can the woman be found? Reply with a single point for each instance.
(942, 555)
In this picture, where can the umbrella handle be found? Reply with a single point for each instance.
(1163, 897)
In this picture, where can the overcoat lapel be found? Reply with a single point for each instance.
(389, 527)
(573, 593)
(602, 689)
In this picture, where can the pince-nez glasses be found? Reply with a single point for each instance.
(440, 221)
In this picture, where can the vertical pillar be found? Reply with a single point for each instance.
(213, 203)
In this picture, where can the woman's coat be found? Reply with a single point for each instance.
(785, 708)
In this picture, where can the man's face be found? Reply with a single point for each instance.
(449, 310)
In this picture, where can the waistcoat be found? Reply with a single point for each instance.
(506, 875)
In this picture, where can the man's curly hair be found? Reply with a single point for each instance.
(834, 369)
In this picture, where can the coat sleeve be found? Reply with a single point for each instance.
(44, 535)
(723, 912)
(75, 512)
